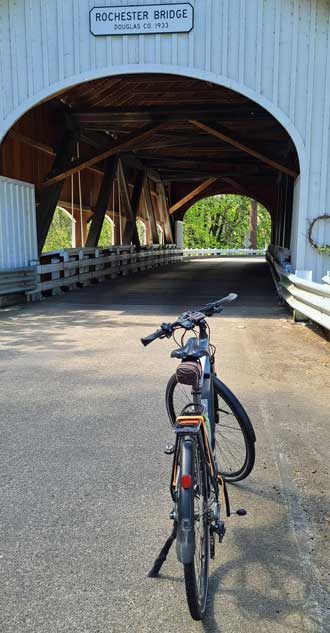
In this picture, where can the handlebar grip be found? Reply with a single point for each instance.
(151, 337)
(232, 297)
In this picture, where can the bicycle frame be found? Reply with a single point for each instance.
(205, 394)
(194, 426)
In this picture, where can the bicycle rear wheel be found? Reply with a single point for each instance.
(234, 434)
(195, 499)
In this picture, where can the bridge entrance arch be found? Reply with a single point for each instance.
(258, 51)
(92, 145)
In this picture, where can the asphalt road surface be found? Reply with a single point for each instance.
(84, 499)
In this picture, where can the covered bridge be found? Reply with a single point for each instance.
(139, 111)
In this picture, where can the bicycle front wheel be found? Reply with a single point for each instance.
(234, 434)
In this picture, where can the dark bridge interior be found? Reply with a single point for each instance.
(191, 137)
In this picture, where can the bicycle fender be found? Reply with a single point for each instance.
(185, 539)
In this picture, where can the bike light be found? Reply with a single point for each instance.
(186, 481)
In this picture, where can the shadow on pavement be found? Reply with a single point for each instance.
(266, 551)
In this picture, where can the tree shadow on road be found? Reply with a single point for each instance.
(27, 330)
(267, 580)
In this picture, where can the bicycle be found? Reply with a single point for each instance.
(197, 475)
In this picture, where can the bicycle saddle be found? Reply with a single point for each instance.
(191, 349)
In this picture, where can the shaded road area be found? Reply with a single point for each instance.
(84, 500)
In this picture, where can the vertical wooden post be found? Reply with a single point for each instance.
(102, 201)
(80, 239)
(151, 212)
(168, 233)
(130, 228)
(253, 224)
(288, 214)
(130, 218)
(50, 196)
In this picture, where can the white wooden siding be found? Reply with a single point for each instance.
(276, 52)
(18, 233)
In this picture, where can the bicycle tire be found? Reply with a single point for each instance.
(196, 572)
(240, 419)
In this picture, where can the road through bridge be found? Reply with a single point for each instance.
(85, 497)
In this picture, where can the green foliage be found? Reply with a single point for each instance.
(141, 229)
(324, 250)
(59, 234)
(222, 221)
(160, 234)
(106, 234)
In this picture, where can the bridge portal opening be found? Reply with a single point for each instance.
(146, 147)
(227, 221)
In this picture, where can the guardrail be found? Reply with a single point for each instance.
(306, 298)
(72, 267)
(17, 280)
(223, 252)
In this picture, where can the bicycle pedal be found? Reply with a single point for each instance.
(169, 449)
(240, 512)
(219, 529)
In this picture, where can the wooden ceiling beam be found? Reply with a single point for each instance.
(228, 112)
(83, 163)
(228, 137)
(241, 189)
(215, 171)
(193, 176)
(47, 149)
(192, 194)
(188, 144)
(182, 161)
(136, 163)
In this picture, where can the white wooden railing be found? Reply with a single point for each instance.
(68, 268)
(306, 298)
(223, 252)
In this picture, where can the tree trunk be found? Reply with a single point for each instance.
(253, 224)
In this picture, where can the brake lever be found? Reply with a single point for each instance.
(167, 329)
(214, 311)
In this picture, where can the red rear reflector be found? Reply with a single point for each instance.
(186, 481)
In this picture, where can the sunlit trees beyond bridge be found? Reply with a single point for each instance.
(227, 221)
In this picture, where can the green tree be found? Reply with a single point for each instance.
(222, 221)
(60, 232)
(106, 236)
(142, 232)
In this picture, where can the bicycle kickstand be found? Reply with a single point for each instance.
(161, 558)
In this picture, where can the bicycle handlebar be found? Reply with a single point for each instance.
(188, 320)
(152, 337)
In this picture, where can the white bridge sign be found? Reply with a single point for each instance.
(142, 19)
